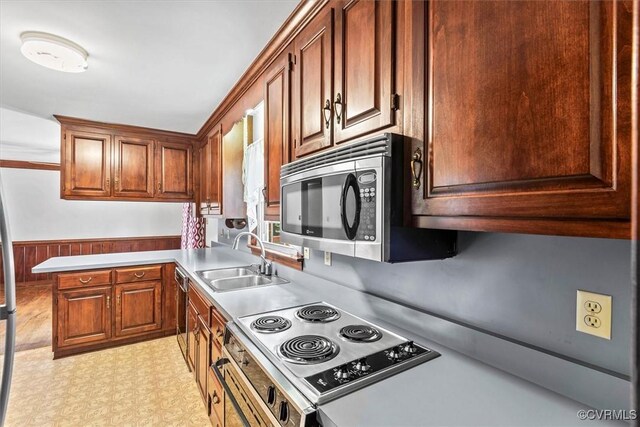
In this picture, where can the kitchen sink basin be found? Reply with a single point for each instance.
(230, 279)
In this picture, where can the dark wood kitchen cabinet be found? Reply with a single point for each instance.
(174, 171)
(96, 309)
(344, 75)
(102, 161)
(199, 340)
(364, 96)
(204, 360)
(277, 122)
(84, 316)
(210, 161)
(86, 164)
(527, 116)
(313, 85)
(138, 307)
(133, 163)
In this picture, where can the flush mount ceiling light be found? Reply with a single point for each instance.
(54, 52)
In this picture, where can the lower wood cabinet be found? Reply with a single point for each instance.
(138, 307)
(84, 316)
(204, 359)
(91, 311)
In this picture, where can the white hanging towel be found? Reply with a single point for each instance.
(253, 180)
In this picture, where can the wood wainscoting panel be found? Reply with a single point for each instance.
(28, 254)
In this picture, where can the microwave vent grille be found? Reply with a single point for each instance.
(380, 146)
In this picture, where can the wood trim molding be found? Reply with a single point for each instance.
(578, 228)
(280, 258)
(300, 16)
(23, 164)
(113, 128)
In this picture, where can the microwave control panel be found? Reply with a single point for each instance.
(368, 198)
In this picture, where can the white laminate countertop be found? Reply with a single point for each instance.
(452, 390)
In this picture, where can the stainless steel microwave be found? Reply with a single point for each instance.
(350, 201)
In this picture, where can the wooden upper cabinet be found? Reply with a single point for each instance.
(173, 170)
(313, 85)
(133, 162)
(364, 99)
(210, 172)
(277, 95)
(138, 307)
(86, 162)
(527, 117)
(84, 316)
(119, 162)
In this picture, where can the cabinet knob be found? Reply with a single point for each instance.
(327, 113)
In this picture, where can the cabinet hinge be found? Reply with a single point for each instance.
(291, 62)
(395, 102)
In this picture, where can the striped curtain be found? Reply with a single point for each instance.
(193, 229)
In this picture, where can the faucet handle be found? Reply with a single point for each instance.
(266, 267)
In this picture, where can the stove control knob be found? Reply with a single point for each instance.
(342, 373)
(361, 365)
(394, 353)
(410, 347)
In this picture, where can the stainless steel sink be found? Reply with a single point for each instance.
(229, 279)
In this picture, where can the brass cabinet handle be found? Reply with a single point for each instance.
(141, 275)
(219, 333)
(108, 301)
(338, 106)
(118, 299)
(327, 113)
(108, 183)
(84, 282)
(416, 167)
(215, 399)
(115, 183)
(159, 186)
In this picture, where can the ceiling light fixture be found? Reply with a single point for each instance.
(54, 52)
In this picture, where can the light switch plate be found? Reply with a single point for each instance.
(593, 314)
(307, 255)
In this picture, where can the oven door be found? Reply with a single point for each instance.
(321, 208)
(242, 405)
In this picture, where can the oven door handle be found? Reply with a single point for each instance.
(350, 230)
(216, 370)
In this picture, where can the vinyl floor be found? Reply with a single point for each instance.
(144, 384)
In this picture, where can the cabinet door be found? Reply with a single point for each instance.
(364, 68)
(210, 173)
(84, 316)
(203, 360)
(87, 164)
(173, 171)
(313, 85)
(138, 307)
(527, 121)
(276, 129)
(169, 305)
(192, 337)
(133, 164)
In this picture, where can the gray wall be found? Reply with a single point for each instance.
(522, 287)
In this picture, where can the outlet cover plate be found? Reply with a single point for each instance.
(307, 253)
(327, 258)
(584, 301)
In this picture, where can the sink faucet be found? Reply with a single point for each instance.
(265, 266)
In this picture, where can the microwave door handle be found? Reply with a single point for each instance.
(350, 230)
(216, 370)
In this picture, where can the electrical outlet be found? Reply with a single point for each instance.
(327, 258)
(306, 253)
(593, 314)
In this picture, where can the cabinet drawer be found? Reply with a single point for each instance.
(84, 279)
(199, 303)
(138, 274)
(216, 396)
(218, 323)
